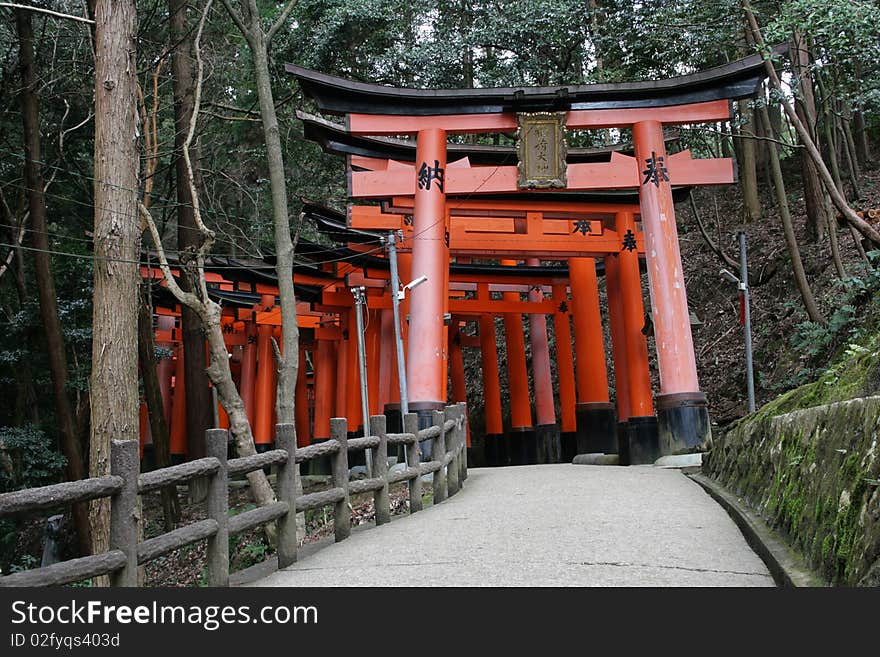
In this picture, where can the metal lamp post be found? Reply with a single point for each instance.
(742, 284)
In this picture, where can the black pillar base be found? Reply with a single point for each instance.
(640, 443)
(547, 436)
(596, 428)
(148, 460)
(425, 411)
(494, 450)
(320, 465)
(264, 447)
(476, 452)
(358, 457)
(567, 446)
(177, 459)
(684, 423)
(394, 424)
(516, 445)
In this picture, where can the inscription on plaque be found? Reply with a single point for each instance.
(542, 149)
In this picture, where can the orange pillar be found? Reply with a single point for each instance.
(352, 379)
(641, 431)
(325, 384)
(546, 431)
(178, 411)
(265, 388)
(682, 410)
(144, 433)
(373, 335)
(618, 342)
(301, 404)
(521, 444)
(425, 367)
(339, 406)
(165, 367)
(596, 426)
(248, 381)
(456, 363)
(389, 386)
(493, 439)
(565, 369)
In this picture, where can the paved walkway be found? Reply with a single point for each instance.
(548, 525)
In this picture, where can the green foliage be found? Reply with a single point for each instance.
(33, 460)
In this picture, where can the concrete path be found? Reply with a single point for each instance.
(547, 525)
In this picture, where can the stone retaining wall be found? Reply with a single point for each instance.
(813, 475)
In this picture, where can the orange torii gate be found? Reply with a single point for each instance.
(578, 231)
(541, 115)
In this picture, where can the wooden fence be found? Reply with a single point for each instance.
(124, 483)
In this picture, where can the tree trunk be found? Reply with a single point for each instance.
(156, 408)
(832, 239)
(797, 264)
(55, 348)
(837, 198)
(805, 106)
(747, 163)
(849, 151)
(114, 390)
(199, 412)
(26, 407)
(289, 360)
(860, 135)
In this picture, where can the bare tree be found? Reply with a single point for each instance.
(200, 302)
(797, 264)
(248, 21)
(837, 198)
(198, 396)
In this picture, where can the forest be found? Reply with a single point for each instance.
(137, 130)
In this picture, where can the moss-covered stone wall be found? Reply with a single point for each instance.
(813, 475)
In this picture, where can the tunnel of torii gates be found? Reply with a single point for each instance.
(598, 211)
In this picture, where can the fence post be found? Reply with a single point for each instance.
(413, 458)
(452, 443)
(124, 462)
(218, 509)
(381, 499)
(342, 509)
(285, 438)
(463, 462)
(438, 453)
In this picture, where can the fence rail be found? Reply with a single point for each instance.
(124, 483)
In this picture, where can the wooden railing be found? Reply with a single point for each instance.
(124, 484)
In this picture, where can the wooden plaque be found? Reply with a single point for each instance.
(541, 148)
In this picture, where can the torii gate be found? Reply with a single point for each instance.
(542, 114)
(579, 232)
(644, 108)
(530, 224)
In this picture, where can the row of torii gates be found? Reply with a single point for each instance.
(496, 232)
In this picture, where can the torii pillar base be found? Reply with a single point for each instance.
(568, 448)
(495, 450)
(547, 436)
(320, 465)
(522, 446)
(425, 412)
(394, 424)
(639, 442)
(683, 420)
(596, 428)
(476, 452)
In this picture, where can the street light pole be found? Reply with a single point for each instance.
(359, 301)
(744, 288)
(398, 339)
